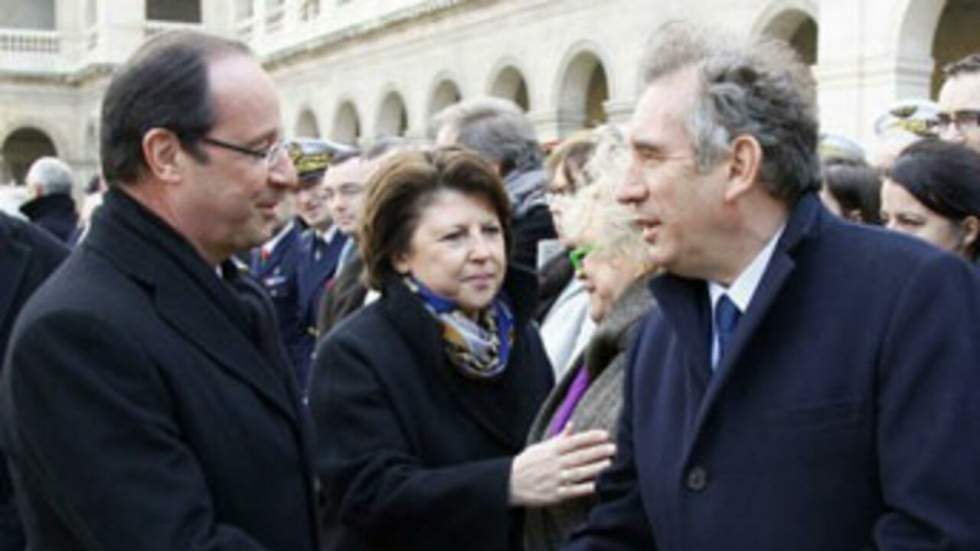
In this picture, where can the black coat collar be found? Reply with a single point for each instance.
(503, 407)
(189, 295)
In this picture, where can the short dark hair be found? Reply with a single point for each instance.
(856, 186)
(943, 176)
(969, 65)
(404, 185)
(163, 85)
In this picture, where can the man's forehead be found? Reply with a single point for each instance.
(351, 170)
(960, 92)
(661, 110)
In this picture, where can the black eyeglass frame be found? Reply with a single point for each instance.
(267, 154)
(960, 119)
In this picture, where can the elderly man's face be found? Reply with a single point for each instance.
(676, 207)
(959, 98)
(231, 200)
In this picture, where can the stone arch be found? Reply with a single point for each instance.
(392, 117)
(306, 124)
(794, 21)
(443, 93)
(507, 81)
(954, 37)
(914, 27)
(346, 123)
(22, 147)
(582, 88)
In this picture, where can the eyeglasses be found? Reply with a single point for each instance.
(269, 155)
(578, 254)
(967, 119)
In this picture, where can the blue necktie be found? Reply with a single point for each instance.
(726, 318)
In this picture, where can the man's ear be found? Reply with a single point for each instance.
(969, 233)
(743, 166)
(163, 154)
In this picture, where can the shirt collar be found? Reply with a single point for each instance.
(743, 288)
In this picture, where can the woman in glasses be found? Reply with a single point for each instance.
(612, 263)
(933, 192)
(563, 304)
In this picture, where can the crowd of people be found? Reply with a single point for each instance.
(703, 330)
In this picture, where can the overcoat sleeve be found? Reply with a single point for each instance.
(929, 412)
(90, 414)
(375, 482)
(618, 522)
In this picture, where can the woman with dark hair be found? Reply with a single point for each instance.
(933, 192)
(423, 399)
(852, 190)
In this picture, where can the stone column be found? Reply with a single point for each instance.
(619, 111)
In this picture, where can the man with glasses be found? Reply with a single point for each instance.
(147, 402)
(959, 103)
(319, 247)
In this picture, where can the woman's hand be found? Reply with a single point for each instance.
(560, 468)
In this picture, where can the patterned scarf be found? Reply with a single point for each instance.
(477, 349)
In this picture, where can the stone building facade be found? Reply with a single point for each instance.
(353, 70)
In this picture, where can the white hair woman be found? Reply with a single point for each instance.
(612, 264)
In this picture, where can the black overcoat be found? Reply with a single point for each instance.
(28, 255)
(140, 409)
(412, 455)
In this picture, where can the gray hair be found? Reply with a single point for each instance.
(51, 175)
(747, 86)
(495, 128)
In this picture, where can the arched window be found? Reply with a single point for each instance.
(392, 118)
(21, 148)
(510, 84)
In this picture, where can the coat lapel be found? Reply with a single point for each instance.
(183, 303)
(781, 266)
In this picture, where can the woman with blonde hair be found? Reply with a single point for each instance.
(612, 264)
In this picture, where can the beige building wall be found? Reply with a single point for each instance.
(357, 69)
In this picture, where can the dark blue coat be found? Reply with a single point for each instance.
(316, 266)
(845, 416)
(27, 256)
(277, 274)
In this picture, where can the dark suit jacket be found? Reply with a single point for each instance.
(27, 256)
(317, 264)
(55, 213)
(147, 403)
(412, 455)
(845, 414)
(345, 295)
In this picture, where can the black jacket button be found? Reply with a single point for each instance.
(697, 479)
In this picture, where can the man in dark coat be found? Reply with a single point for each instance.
(28, 255)
(147, 402)
(806, 383)
(50, 183)
(501, 133)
